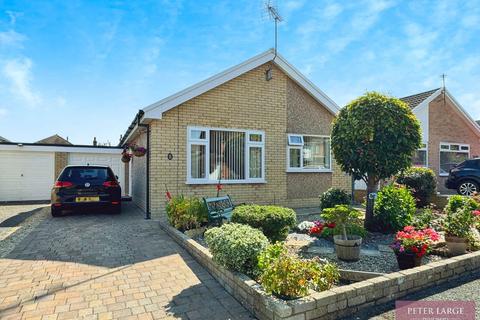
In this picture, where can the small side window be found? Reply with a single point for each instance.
(295, 140)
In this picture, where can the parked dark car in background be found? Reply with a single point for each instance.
(79, 187)
(465, 177)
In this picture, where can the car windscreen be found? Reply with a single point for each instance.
(82, 175)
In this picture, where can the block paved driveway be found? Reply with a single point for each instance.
(101, 266)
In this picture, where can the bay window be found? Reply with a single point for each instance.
(308, 153)
(228, 156)
(452, 154)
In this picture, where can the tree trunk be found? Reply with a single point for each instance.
(372, 186)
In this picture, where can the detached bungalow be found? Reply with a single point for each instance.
(260, 128)
(449, 133)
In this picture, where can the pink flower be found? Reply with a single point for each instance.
(476, 213)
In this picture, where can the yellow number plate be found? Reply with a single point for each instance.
(87, 199)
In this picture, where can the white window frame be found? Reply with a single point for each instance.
(206, 143)
(300, 147)
(460, 145)
(423, 148)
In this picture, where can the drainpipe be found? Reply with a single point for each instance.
(147, 211)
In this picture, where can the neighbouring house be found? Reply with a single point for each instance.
(55, 139)
(28, 170)
(449, 134)
(260, 128)
(2, 139)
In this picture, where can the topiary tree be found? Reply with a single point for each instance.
(373, 138)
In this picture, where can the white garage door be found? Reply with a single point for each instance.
(26, 175)
(111, 160)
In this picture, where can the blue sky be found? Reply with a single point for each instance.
(83, 68)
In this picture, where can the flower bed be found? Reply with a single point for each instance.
(334, 303)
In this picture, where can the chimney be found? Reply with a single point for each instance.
(95, 141)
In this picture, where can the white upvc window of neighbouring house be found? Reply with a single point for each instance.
(420, 157)
(308, 153)
(225, 155)
(452, 154)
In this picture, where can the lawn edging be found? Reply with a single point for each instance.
(374, 289)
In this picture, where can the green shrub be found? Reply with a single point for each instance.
(456, 202)
(186, 213)
(287, 276)
(275, 222)
(342, 216)
(333, 197)
(394, 208)
(352, 229)
(422, 182)
(423, 219)
(460, 222)
(236, 247)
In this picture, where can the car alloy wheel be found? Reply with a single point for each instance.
(467, 188)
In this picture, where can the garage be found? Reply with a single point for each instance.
(26, 175)
(28, 170)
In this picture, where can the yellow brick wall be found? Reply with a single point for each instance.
(61, 161)
(246, 102)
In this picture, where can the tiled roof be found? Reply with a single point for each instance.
(415, 99)
(55, 139)
(2, 139)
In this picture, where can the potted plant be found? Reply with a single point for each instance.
(458, 226)
(139, 151)
(347, 245)
(126, 157)
(411, 245)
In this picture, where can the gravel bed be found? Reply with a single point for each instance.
(375, 256)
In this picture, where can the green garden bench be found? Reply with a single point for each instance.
(219, 208)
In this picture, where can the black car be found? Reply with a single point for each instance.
(465, 177)
(86, 187)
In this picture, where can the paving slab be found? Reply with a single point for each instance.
(94, 265)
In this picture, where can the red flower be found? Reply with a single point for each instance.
(169, 196)
(331, 225)
(476, 213)
(219, 187)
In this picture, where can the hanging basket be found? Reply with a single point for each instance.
(125, 158)
(139, 152)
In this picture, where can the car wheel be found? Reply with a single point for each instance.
(56, 212)
(467, 188)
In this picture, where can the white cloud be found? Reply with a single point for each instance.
(19, 74)
(11, 38)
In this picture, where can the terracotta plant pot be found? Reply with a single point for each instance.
(348, 250)
(408, 260)
(456, 246)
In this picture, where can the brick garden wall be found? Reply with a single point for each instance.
(338, 302)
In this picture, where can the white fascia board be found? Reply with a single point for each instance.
(33, 148)
(154, 111)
